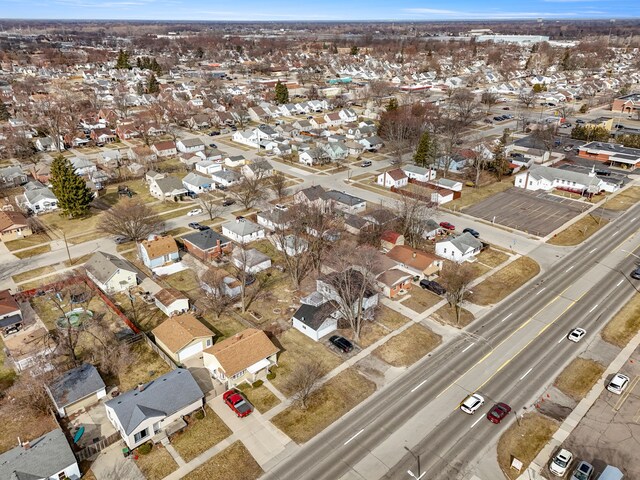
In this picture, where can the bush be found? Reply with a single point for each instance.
(271, 376)
(145, 449)
(257, 383)
(584, 108)
(199, 415)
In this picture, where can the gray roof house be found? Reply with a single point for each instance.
(39, 199)
(12, 176)
(251, 260)
(155, 408)
(197, 183)
(260, 168)
(242, 231)
(48, 456)
(346, 203)
(460, 248)
(110, 273)
(76, 389)
(167, 187)
(226, 178)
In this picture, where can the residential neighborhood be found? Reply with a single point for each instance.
(308, 250)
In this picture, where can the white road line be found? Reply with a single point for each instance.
(468, 347)
(354, 436)
(633, 219)
(541, 290)
(593, 250)
(593, 308)
(419, 385)
(619, 283)
(475, 423)
(528, 372)
(570, 268)
(559, 341)
(506, 317)
(615, 233)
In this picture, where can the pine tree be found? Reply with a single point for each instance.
(282, 93)
(392, 105)
(69, 188)
(152, 84)
(354, 50)
(426, 150)
(4, 113)
(123, 60)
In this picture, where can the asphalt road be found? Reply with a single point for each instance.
(520, 339)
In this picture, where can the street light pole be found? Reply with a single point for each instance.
(417, 457)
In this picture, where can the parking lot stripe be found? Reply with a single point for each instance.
(615, 233)
(626, 394)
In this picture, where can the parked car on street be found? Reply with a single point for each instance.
(447, 226)
(194, 225)
(341, 343)
(228, 202)
(366, 163)
(618, 383)
(560, 463)
(435, 287)
(236, 402)
(472, 232)
(194, 212)
(472, 403)
(204, 227)
(636, 274)
(498, 412)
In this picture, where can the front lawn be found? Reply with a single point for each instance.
(261, 397)
(579, 231)
(200, 435)
(370, 333)
(492, 257)
(504, 282)
(447, 315)
(408, 347)
(326, 405)
(32, 252)
(624, 200)
(390, 318)
(157, 464)
(234, 462)
(26, 242)
(420, 299)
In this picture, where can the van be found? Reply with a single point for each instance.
(611, 473)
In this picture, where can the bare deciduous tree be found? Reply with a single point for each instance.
(456, 279)
(215, 298)
(489, 99)
(131, 219)
(304, 379)
(209, 203)
(249, 191)
(527, 98)
(278, 184)
(413, 216)
(465, 106)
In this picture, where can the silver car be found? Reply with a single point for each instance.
(583, 472)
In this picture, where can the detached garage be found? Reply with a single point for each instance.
(182, 337)
(76, 389)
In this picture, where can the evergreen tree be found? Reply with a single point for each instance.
(500, 162)
(282, 93)
(152, 84)
(425, 154)
(155, 66)
(199, 53)
(4, 113)
(123, 60)
(69, 188)
(392, 105)
(354, 50)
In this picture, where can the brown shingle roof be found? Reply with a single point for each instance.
(410, 257)
(166, 145)
(160, 246)
(7, 303)
(11, 219)
(167, 296)
(396, 174)
(244, 349)
(179, 331)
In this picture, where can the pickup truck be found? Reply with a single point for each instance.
(237, 403)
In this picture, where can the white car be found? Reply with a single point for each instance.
(618, 383)
(577, 334)
(194, 212)
(472, 403)
(560, 463)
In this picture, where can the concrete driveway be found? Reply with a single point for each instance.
(96, 425)
(262, 439)
(111, 464)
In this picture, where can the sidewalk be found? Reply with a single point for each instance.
(574, 418)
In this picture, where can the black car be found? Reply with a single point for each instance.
(579, 121)
(497, 119)
(228, 202)
(213, 134)
(435, 287)
(220, 187)
(341, 343)
(636, 274)
(471, 231)
(604, 173)
(195, 225)
(213, 145)
(203, 227)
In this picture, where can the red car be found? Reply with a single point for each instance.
(237, 403)
(447, 226)
(498, 412)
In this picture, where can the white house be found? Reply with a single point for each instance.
(346, 203)
(164, 149)
(111, 274)
(158, 251)
(235, 161)
(460, 248)
(208, 167)
(226, 178)
(393, 178)
(258, 168)
(274, 219)
(549, 178)
(316, 317)
(190, 145)
(247, 137)
(37, 198)
(155, 407)
(242, 231)
(197, 183)
(250, 260)
(292, 245)
(447, 183)
(420, 174)
(171, 301)
(166, 188)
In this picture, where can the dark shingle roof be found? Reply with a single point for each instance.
(75, 385)
(206, 239)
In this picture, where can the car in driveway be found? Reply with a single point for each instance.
(576, 334)
(213, 145)
(618, 383)
(366, 163)
(636, 274)
(472, 403)
(447, 226)
(236, 402)
(498, 412)
(203, 227)
(435, 287)
(194, 225)
(194, 212)
(472, 232)
(583, 471)
(341, 343)
(228, 202)
(560, 463)
(120, 240)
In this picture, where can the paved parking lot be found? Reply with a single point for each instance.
(610, 432)
(537, 213)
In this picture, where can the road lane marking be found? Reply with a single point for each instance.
(626, 394)
(570, 268)
(468, 347)
(541, 290)
(527, 373)
(593, 250)
(593, 308)
(615, 233)
(475, 423)
(619, 283)
(354, 436)
(506, 317)
(561, 340)
(419, 385)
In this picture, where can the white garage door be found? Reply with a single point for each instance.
(190, 351)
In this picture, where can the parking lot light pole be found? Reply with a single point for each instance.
(417, 457)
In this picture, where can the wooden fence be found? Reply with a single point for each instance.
(95, 448)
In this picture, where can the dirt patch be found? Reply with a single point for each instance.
(235, 461)
(579, 231)
(578, 377)
(200, 435)
(447, 315)
(408, 347)
(492, 258)
(18, 423)
(327, 404)
(624, 200)
(157, 464)
(471, 196)
(524, 441)
(505, 281)
(624, 325)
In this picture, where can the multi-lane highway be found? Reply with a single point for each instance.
(512, 354)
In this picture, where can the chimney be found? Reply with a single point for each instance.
(140, 387)
(218, 245)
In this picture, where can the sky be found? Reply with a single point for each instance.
(290, 10)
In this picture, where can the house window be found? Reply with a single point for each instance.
(445, 250)
(237, 375)
(140, 435)
(208, 342)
